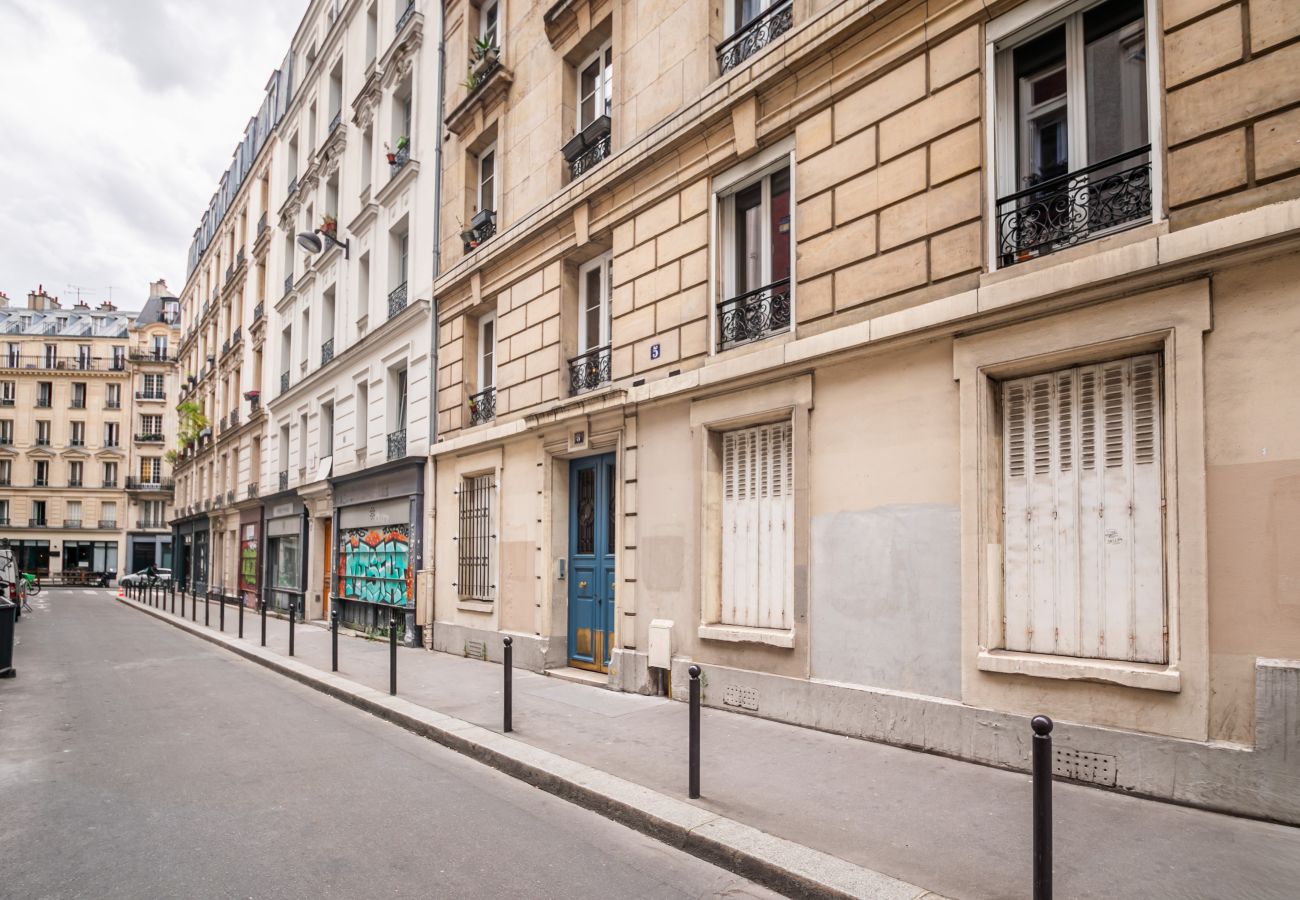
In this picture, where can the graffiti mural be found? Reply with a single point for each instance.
(248, 558)
(373, 565)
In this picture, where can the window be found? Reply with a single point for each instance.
(6, 472)
(4, 512)
(487, 22)
(153, 387)
(76, 469)
(110, 474)
(8, 393)
(6, 432)
(151, 425)
(487, 346)
(284, 451)
(160, 346)
(78, 395)
(94, 556)
(361, 417)
(83, 356)
(44, 394)
(41, 473)
(38, 513)
(1073, 133)
(51, 355)
(591, 367)
(72, 515)
(399, 399)
(1083, 555)
(113, 395)
(111, 434)
(43, 433)
(372, 33)
(119, 358)
(757, 515)
(153, 514)
(487, 166)
(756, 254)
(326, 429)
(302, 442)
(595, 86)
(77, 437)
(474, 538)
(151, 470)
(751, 25)
(12, 356)
(108, 514)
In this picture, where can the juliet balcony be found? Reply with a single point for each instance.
(589, 370)
(754, 315)
(755, 35)
(483, 406)
(135, 484)
(588, 148)
(481, 227)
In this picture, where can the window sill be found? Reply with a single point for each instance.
(478, 606)
(742, 634)
(1147, 676)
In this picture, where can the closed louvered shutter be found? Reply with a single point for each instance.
(1083, 562)
(757, 544)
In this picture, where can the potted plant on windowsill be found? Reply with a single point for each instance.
(388, 151)
(252, 396)
(486, 52)
(329, 225)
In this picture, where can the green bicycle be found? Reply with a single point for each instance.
(29, 585)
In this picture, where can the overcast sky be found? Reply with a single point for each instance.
(117, 118)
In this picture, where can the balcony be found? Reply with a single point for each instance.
(117, 404)
(261, 225)
(236, 336)
(151, 523)
(37, 523)
(252, 490)
(148, 437)
(589, 370)
(400, 158)
(335, 122)
(75, 404)
(754, 35)
(1079, 206)
(77, 442)
(108, 524)
(483, 407)
(258, 311)
(4, 521)
(397, 444)
(74, 482)
(9, 401)
(588, 148)
(230, 496)
(234, 418)
(225, 347)
(405, 17)
(110, 483)
(157, 485)
(153, 396)
(284, 480)
(71, 523)
(288, 284)
(293, 188)
(151, 356)
(43, 403)
(230, 273)
(42, 441)
(755, 315)
(397, 300)
(284, 382)
(481, 227)
(239, 258)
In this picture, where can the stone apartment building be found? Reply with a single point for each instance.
(84, 488)
(309, 488)
(912, 367)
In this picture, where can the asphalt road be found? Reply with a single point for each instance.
(137, 762)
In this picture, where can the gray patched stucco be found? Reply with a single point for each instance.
(886, 598)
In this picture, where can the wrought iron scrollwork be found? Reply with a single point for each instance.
(483, 406)
(755, 315)
(397, 300)
(1074, 207)
(589, 370)
(754, 36)
(590, 157)
(397, 444)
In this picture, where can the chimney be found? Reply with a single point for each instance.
(107, 306)
(4, 300)
(159, 288)
(39, 300)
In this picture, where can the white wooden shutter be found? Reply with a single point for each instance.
(757, 544)
(1083, 557)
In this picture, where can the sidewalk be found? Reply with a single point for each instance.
(958, 829)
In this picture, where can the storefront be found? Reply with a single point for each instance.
(90, 562)
(250, 554)
(144, 550)
(191, 540)
(286, 553)
(31, 556)
(377, 544)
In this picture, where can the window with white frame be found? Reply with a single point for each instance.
(76, 470)
(485, 198)
(474, 538)
(591, 367)
(755, 260)
(1083, 499)
(595, 86)
(72, 514)
(488, 14)
(111, 434)
(757, 577)
(1073, 132)
(110, 474)
(482, 405)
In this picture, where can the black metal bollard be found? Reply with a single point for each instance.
(334, 640)
(241, 616)
(293, 610)
(207, 608)
(1042, 758)
(172, 591)
(221, 616)
(693, 737)
(261, 608)
(172, 585)
(507, 664)
(392, 654)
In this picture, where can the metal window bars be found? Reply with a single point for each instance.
(474, 538)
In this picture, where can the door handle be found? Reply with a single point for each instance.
(581, 585)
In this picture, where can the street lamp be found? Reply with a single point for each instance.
(309, 241)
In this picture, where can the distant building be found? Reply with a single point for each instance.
(84, 488)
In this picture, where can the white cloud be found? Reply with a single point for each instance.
(117, 120)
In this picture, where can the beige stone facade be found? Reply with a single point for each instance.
(927, 281)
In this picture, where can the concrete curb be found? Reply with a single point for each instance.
(792, 869)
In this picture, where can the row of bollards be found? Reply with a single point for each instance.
(1041, 755)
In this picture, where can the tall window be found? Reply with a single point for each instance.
(151, 469)
(12, 357)
(8, 393)
(110, 474)
(51, 355)
(487, 351)
(160, 346)
(77, 437)
(76, 469)
(44, 394)
(153, 514)
(72, 514)
(153, 386)
(108, 513)
(41, 474)
(488, 14)
(326, 438)
(757, 516)
(1073, 140)
(6, 472)
(83, 356)
(43, 433)
(361, 417)
(151, 425)
(591, 367)
(6, 432)
(372, 34)
(38, 513)
(1083, 549)
(757, 238)
(398, 412)
(4, 511)
(119, 358)
(474, 538)
(78, 395)
(487, 179)
(113, 396)
(595, 86)
(111, 434)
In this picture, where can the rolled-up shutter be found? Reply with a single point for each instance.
(1083, 563)
(757, 544)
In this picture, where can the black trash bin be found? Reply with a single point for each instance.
(8, 615)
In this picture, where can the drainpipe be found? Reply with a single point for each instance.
(430, 496)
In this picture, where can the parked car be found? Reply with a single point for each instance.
(146, 576)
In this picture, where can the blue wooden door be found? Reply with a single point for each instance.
(591, 561)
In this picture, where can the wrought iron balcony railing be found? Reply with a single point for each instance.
(483, 406)
(754, 315)
(258, 311)
(397, 300)
(482, 227)
(284, 480)
(336, 121)
(327, 351)
(261, 224)
(284, 382)
(107, 524)
(252, 490)
(236, 336)
(589, 147)
(288, 283)
(148, 438)
(293, 188)
(159, 484)
(400, 158)
(397, 443)
(754, 35)
(589, 370)
(71, 523)
(151, 395)
(37, 523)
(1075, 207)
(405, 16)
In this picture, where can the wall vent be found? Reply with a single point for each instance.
(476, 650)
(1080, 765)
(740, 697)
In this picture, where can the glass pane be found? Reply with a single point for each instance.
(1115, 67)
(488, 352)
(747, 10)
(1041, 108)
(591, 312)
(749, 240)
(586, 511)
(780, 226)
(588, 92)
(611, 491)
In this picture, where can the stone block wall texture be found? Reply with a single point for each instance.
(1230, 105)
